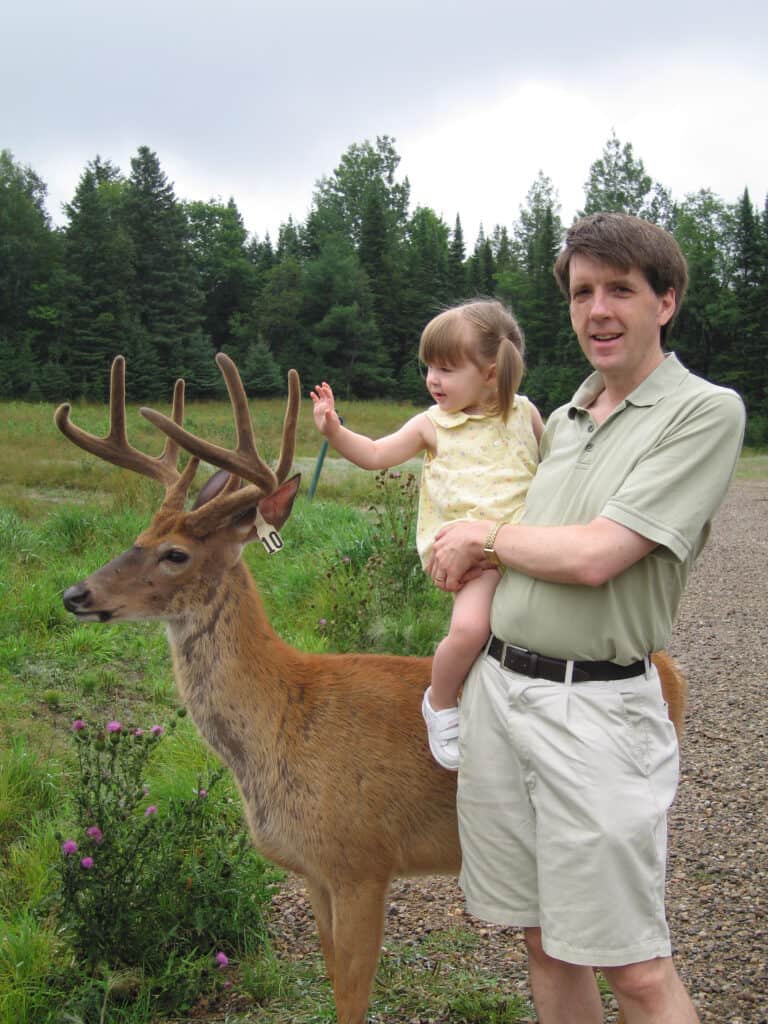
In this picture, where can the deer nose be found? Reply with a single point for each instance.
(76, 597)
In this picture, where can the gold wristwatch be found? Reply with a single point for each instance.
(488, 548)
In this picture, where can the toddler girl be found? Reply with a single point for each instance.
(480, 441)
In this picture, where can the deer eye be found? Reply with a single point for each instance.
(176, 555)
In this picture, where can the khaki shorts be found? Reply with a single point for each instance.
(563, 793)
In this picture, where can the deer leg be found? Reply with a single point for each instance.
(320, 899)
(358, 930)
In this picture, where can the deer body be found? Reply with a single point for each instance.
(329, 751)
(317, 744)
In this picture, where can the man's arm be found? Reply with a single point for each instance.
(589, 555)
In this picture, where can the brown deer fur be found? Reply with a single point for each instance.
(329, 751)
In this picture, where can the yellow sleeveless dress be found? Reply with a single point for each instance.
(482, 469)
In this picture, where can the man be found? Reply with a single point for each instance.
(569, 761)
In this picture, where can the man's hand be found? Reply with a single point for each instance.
(324, 409)
(457, 554)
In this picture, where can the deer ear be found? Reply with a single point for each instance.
(213, 486)
(276, 507)
(237, 510)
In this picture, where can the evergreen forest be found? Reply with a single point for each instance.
(344, 295)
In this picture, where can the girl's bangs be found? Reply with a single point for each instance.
(441, 342)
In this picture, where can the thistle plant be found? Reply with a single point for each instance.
(365, 594)
(395, 511)
(142, 881)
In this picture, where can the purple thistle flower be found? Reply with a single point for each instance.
(322, 622)
(202, 794)
(157, 730)
(68, 847)
(114, 726)
(150, 810)
(78, 724)
(86, 863)
(94, 833)
(138, 732)
(222, 960)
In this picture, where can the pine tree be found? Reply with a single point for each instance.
(99, 261)
(29, 263)
(338, 314)
(481, 267)
(260, 373)
(617, 181)
(457, 271)
(554, 360)
(750, 376)
(703, 332)
(165, 294)
(345, 195)
(279, 321)
(199, 368)
(226, 275)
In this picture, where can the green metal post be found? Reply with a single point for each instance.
(319, 466)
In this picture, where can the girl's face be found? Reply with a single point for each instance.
(462, 388)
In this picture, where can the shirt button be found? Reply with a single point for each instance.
(590, 428)
(588, 447)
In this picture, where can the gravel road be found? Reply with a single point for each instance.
(718, 859)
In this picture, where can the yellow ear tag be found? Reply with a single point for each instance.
(268, 535)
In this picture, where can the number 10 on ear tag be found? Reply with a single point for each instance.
(268, 535)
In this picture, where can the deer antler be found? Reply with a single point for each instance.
(242, 461)
(114, 447)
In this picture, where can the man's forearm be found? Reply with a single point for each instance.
(588, 554)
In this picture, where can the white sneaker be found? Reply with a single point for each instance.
(443, 733)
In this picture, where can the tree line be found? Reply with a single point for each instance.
(344, 295)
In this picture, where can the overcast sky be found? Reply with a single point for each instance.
(257, 101)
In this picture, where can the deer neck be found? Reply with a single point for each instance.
(230, 668)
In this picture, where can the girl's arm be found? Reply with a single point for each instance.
(413, 437)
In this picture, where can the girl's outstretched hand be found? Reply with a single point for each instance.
(324, 408)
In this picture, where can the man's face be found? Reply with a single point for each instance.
(617, 318)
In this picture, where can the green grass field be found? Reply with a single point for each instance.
(62, 514)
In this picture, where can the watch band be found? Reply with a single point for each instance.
(489, 549)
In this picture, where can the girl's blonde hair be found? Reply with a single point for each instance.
(496, 337)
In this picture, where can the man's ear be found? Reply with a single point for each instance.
(276, 507)
(667, 306)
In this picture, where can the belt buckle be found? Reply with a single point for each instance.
(518, 659)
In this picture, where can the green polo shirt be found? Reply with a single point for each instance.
(660, 464)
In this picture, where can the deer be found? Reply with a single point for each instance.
(329, 751)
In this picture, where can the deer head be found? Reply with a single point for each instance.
(175, 562)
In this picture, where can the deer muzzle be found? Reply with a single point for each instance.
(78, 599)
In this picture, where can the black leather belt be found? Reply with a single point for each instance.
(538, 666)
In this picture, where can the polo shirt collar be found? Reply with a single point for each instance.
(663, 381)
